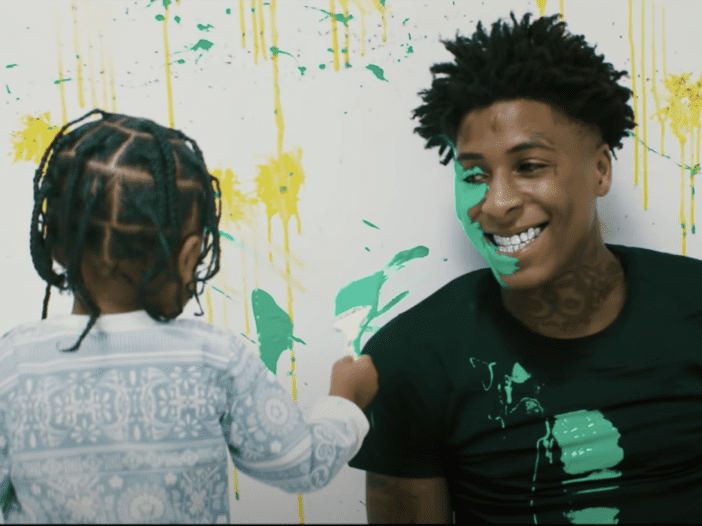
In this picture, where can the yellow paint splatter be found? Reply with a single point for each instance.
(335, 41)
(261, 32)
(362, 13)
(633, 89)
(103, 74)
(112, 84)
(562, 10)
(33, 138)
(643, 105)
(278, 108)
(255, 30)
(210, 313)
(62, 89)
(542, 6)
(242, 18)
(79, 63)
(167, 54)
(345, 8)
(654, 89)
(93, 92)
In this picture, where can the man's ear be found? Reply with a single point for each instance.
(603, 170)
(188, 256)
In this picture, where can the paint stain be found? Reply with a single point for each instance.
(167, 56)
(542, 6)
(370, 224)
(79, 64)
(377, 71)
(10, 66)
(207, 27)
(635, 98)
(654, 88)
(366, 291)
(274, 329)
(61, 80)
(33, 138)
(643, 105)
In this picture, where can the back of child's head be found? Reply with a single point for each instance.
(122, 189)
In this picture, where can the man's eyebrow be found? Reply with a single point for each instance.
(468, 156)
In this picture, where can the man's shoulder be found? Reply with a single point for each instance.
(663, 266)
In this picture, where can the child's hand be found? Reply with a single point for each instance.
(355, 380)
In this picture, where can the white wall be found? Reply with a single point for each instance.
(361, 159)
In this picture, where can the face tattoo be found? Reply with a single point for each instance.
(468, 194)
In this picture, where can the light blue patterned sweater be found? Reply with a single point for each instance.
(134, 426)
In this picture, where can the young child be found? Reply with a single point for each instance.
(119, 412)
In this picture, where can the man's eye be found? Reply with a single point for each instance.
(531, 167)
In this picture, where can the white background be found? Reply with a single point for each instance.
(361, 158)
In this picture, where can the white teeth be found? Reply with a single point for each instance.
(537, 231)
(523, 236)
(514, 239)
(530, 233)
(516, 242)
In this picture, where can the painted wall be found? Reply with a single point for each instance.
(303, 109)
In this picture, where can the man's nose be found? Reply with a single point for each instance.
(501, 197)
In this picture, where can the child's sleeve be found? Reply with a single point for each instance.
(270, 440)
(8, 498)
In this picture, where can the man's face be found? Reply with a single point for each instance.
(541, 175)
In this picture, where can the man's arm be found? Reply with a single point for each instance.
(407, 500)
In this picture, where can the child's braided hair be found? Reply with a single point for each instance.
(126, 189)
(538, 61)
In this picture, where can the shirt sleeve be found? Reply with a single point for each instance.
(407, 417)
(8, 498)
(271, 441)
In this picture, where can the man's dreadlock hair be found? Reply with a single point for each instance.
(537, 61)
(129, 190)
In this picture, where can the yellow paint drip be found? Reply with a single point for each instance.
(362, 11)
(334, 31)
(542, 6)
(210, 314)
(62, 89)
(278, 108)
(633, 89)
(562, 10)
(255, 30)
(654, 89)
(103, 72)
(345, 8)
(91, 66)
(167, 54)
(79, 64)
(33, 138)
(242, 17)
(665, 70)
(643, 105)
(261, 32)
(112, 84)
(683, 223)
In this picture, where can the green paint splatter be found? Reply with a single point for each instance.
(347, 64)
(366, 291)
(367, 249)
(377, 71)
(445, 259)
(61, 80)
(179, 61)
(339, 16)
(274, 328)
(160, 18)
(229, 11)
(177, 19)
(8, 88)
(405, 21)
(322, 66)
(10, 66)
(283, 189)
(368, 222)
(275, 51)
(382, 2)
(207, 27)
(302, 69)
(202, 44)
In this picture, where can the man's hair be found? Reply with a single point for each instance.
(538, 61)
(125, 189)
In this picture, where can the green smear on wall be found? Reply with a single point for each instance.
(229, 11)
(366, 291)
(276, 51)
(160, 18)
(322, 66)
(177, 19)
(405, 21)
(377, 71)
(207, 27)
(274, 328)
(61, 80)
(370, 224)
(338, 16)
(203, 44)
(302, 69)
(8, 88)
(9, 66)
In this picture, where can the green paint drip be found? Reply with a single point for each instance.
(10, 66)
(177, 19)
(202, 44)
(370, 224)
(273, 326)
(207, 27)
(377, 71)
(179, 61)
(693, 229)
(160, 18)
(276, 51)
(61, 80)
(405, 21)
(8, 88)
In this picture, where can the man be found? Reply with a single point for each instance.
(565, 383)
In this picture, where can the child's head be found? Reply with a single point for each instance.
(129, 210)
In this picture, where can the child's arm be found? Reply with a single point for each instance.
(270, 440)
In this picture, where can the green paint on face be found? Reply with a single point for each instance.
(467, 195)
(273, 326)
(177, 19)
(366, 291)
(160, 18)
(61, 80)
(202, 44)
(370, 224)
(377, 71)
(10, 66)
(207, 27)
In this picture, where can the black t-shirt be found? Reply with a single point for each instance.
(525, 428)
